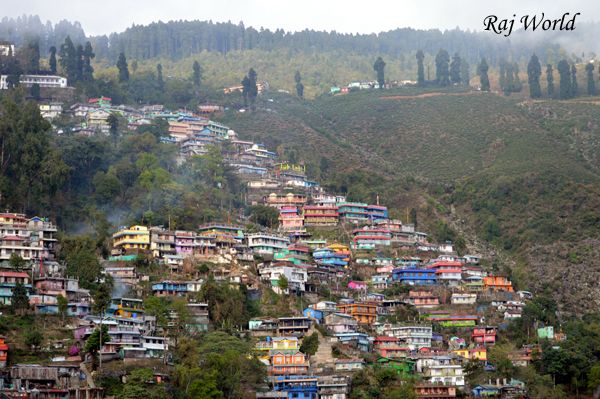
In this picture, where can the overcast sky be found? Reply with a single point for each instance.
(354, 16)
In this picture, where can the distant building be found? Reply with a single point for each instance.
(7, 49)
(51, 110)
(49, 81)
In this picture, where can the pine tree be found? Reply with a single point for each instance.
(465, 73)
(123, 68)
(420, 69)
(574, 87)
(87, 72)
(550, 80)
(455, 65)
(159, 77)
(52, 60)
(442, 74)
(591, 85)
(68, 59)
(379, 67)
(564, 70)
(534, 71)
(33, 57)
(299, 85)
(249, 87)
(482, 71)
(197, 74)
(79, 75)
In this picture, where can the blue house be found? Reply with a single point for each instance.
(297, 386)
(314, 314)
(414, 276)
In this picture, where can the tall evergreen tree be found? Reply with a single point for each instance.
(159, 77)
(591, 85)
(550, 80)
(79, 51)
(455, 75)
(68, 59)
(534, 71)
(52, 60)
(379, 67)
(123, 68)
(249, 87)
(33, 57)
(87, 72)
(299, 85)
(197, 74)
(574, 86)
(465, 73)
(564, 71)
(482, 71)
(442, 75)
(420, 68)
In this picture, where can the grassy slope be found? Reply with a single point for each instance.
(531, 168)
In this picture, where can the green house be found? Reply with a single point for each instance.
(402, 366)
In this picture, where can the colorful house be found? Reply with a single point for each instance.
(402, 366)
(390, 347)
(369, 238)
(263, 243)
(8, 281)
(423, 299)
(455, 321)
(320, 215)
(363, 312)
(479, 353)
(290, 218)
(131, 240)
(434, 391)
(463, 298)
(358, 285)
(3, 352)
(295, 386)
(353, 211)
(484, 335)
(412, 276)
(497, 283)
(280, 201)
(288, 362)
(377, 212)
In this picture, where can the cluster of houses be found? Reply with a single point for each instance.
(366, 85)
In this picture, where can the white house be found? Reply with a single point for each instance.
(51, 110)
(448, 374)
(463, 298)
(6, 49)
(262, 243)
(42, 80)
(295, 276)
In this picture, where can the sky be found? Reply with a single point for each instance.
(348, 16)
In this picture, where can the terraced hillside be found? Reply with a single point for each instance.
(523, 176)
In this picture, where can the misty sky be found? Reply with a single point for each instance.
(353, 16)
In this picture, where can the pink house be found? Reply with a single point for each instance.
(358, 285)
(290, 218)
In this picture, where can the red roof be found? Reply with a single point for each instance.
(385, 338)
(445, 263)
(13, 238)
(14, 274)
(448, 271)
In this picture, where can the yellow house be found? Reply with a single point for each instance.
(472, 354)
(131, 240)
(282, 343)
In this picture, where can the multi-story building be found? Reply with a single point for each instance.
(413, 276)
(290, 218)
(484, 335)
(377, 212)
(497, 283)
(162, 242)
(134, 239)
(50, 81)
(8, 281)
(296, 277)
(363, 312)
(416, 336)
(450, 374)
(7, 49)
(3, 352)
(176, 288)
(353, 211)
(369, 238)
(263, 243)
(280, 201)
(320, 215)
(32, 239)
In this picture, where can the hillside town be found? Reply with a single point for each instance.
(368, 291)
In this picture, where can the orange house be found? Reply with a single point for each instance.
(3, 353)
(497, 283)
(435, 391)
(363, 312)
(390, 347)
(288, 363)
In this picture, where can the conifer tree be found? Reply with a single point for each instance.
(564, 71)
(159, 78)
(534, 71)
(442, 74)
(123, 68)
(299, 85)
(482, 71)
(455, 69)
(550, 80)
(197, 74)
(52, 60)
(68, 59)
(465, 77)
(420, 69)
(87, 72)
(591, 85)
(379, 67)
(574, 87)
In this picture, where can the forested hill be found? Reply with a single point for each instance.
(176, 40)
